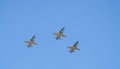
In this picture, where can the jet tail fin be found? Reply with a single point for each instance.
(58, 38)
(72, 51)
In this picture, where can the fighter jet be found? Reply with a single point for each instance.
(31, 42)
(74, 47)
(60, 34)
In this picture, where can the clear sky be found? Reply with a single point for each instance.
(95, 23)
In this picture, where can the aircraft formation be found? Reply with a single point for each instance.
(58, 35)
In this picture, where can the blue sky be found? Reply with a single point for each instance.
(95, 23)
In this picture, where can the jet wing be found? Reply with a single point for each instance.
(76, 43)
(70, 47)
(26, 41)
(35, 43)
(77, 49)
(62, 30)
(32, 39)
(55, 33)
(63, 35)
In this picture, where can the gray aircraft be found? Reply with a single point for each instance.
(60, 34)
(31, 42)
(74, 47)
